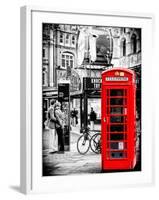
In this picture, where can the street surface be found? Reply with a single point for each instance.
(71, 162)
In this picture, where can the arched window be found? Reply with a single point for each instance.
(133, 44)
(67, 60)
(123, 47)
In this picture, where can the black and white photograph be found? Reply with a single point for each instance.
(76, 62)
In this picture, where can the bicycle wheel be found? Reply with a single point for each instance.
(95, 143)
(83, 144)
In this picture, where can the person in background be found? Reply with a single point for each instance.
(59, 126)
(53, 139)
(74, 115)
(93, 117)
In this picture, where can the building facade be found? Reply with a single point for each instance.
(58, 58)
(115, 47)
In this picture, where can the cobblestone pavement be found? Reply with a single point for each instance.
(70, 162)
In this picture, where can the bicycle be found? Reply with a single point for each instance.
(95, 143)
(87, 141)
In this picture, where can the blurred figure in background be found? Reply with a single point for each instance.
(93, 117)
(74, 116)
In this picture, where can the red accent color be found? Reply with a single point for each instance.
(118, 120)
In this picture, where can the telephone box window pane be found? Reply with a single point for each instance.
(117, 136)
(117, 128)
(117, 92)
(117, 119)
(116, 101)
(117, 154)
(114, 145)
(117, 145)
(116, 110)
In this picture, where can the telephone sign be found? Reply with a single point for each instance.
(116, 78)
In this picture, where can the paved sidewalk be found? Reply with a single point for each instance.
(70, 162)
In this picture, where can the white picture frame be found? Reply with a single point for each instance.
(31, 142)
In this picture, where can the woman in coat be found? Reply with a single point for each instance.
(53, 139)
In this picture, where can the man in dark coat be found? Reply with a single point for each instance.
(93, 117)
(59, 126)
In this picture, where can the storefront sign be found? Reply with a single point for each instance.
(91, 83)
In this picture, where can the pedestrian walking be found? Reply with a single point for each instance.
(93, 117)
(59, 126)
(74, 116)
(53, 139)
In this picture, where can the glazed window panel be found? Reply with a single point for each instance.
(73, 39)
(116, 92)
(116, 101)
(67, 60)
(61, 37)
(118, 110)
(119, 154)
(117, 128)
(116, 136)
(117, 119)
(117, 145)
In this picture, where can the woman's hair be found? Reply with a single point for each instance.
(52, 102)
(57, 104)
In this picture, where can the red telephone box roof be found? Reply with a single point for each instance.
(118, 75)
(118, 69)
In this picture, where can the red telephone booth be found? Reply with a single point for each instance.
(118, 119)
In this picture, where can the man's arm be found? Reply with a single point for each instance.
(58, 118)
(52, 116)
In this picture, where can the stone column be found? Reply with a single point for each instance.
(116, 51)
(51, 59)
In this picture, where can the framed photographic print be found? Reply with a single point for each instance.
(86, 100)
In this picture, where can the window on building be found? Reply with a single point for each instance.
(133, 44)
(67, 39)
(73, 40)
(43, 53)
(61, 37)
(123, 47)
(67, 60)
(44, 78)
